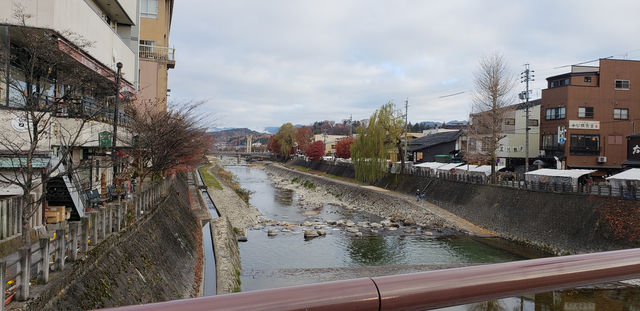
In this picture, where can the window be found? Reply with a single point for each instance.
(587, 79)
(585, 112)
(614, 140)
(510, 121)
(622, 84)
(621, 114)
(550, 142)
(472, 145)
(555, 113)
(486, 141)
(559, 83)
(533, 122)
(149, 8)
(585, 144)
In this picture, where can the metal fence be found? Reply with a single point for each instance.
(69, 237)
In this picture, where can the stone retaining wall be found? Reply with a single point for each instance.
(559, 222)
(155, 261)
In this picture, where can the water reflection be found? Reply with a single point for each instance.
(624, 299)
(284, 196)
(370, 251)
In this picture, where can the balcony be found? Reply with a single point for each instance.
(158, 53)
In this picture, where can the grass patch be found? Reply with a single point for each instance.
(208, 179)
(228, 178)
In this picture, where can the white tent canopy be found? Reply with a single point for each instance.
(464, 168)
(559, 173)
(485, 169)
(430, 165)
(547, 175)
(630, 174)
(447, 167)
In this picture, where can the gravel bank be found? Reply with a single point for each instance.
(377, 201)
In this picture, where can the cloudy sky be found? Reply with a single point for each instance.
(262, 63)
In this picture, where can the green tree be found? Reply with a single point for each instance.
(286, 136)
(371, 148)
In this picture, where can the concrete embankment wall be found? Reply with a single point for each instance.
(227, 256)
(156, 261)
(559, 222)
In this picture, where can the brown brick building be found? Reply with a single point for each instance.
(587, 113)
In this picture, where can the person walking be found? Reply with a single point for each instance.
(417, 195)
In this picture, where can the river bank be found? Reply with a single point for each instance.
(391, 206)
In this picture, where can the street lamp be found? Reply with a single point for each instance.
(115, 123)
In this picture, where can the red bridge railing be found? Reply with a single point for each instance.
(427, 290)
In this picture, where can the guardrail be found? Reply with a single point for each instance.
(428, 290)
(34, 261)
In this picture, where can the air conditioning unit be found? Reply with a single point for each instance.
(602, 159)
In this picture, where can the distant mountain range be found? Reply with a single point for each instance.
(229, 135)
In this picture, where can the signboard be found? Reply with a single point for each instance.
(584, 125)
(561, 134)
(633, 147)
(105, 139)
(20, 124)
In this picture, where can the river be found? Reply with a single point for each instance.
(289, 259)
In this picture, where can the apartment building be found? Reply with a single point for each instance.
(78, 48)
(156, 57)
(512, 147)
(587, 114)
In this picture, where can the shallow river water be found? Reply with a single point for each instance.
(289, 259)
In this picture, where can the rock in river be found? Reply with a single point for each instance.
(272, 232)
(310, 233)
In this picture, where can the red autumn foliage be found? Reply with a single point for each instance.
(303, 137)
(315, 151)
(273, 145)
(623, 219)
(343, 148)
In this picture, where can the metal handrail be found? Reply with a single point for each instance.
(157, 52)
(428, 290)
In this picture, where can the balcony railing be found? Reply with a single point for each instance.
(161, 53)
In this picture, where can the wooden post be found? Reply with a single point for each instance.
(103, 223)
(44, 260)
(3, 219)
(84, 234)
(25, 273)
(73, 239)
(94, 228)
(3, 268)
(62, 247)
(118, 215)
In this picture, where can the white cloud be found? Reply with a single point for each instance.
(263, 63)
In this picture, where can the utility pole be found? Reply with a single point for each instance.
(350, 125)
(115, 123)
(406, 126)
(525, 77)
